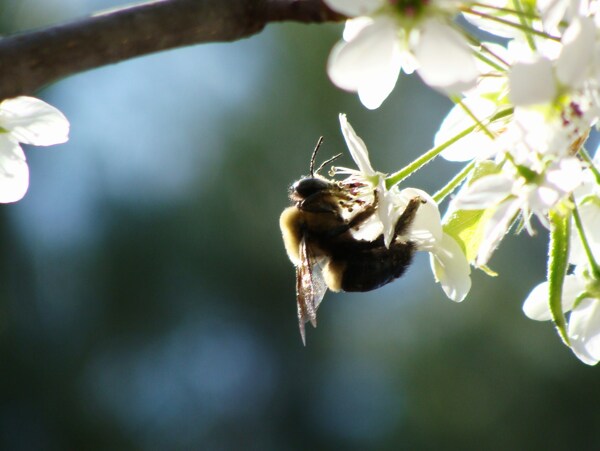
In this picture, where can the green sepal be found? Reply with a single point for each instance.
(467, 226)
(489, 271)
(558, 262)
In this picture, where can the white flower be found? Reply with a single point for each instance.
(564, 73)
(386, 37)
(580, 296)
(29, 121)
(551, 116)
(556, 112)
(367, 181)
(448, 262)
(519, 188)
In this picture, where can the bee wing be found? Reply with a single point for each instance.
(310, 286)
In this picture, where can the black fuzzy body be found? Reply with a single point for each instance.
(367, 265)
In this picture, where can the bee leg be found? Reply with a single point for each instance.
(408, 215)
(358, 219)
(365, 214)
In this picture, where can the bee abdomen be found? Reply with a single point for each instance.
(376, 267)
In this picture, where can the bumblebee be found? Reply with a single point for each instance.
(318, 236)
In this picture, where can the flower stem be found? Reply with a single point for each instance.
(526, 22)
(487, 49)
(518, 26)
(585, 243)
(417, 164)
(452, 184)
(489, 62)
(397, 177)
(469, 113)
(586, 157)
(506, 10)
(580, 297)
(479, 55)
(557, 268)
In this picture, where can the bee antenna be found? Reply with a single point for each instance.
(335, 157)
(314, 156)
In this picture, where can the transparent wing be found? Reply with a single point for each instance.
(310, 286)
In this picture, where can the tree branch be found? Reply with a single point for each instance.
(32, 60)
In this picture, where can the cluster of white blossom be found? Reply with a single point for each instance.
(523, 113)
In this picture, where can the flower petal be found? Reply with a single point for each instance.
(368, 64)
(14, 172)
(493, 27)
(475, 144)
(427, 225)
(536, 305)
(355, 26)
(451, 268)
(370, 230)
(552, 12)
(572, 287)
(577, 53)
(386, 211)
(566, 175)
(484, 192)
(540, 198)
(446, 61)
(496, 228)
(584, 331)
(32, 121)
(523, 91)
(590, 219)
(354, 7)
(357, 147)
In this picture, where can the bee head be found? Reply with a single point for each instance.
(316, 193)
(308, 187)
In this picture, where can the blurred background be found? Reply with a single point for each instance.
(146, 301)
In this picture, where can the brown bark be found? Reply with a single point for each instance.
(32, 60)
